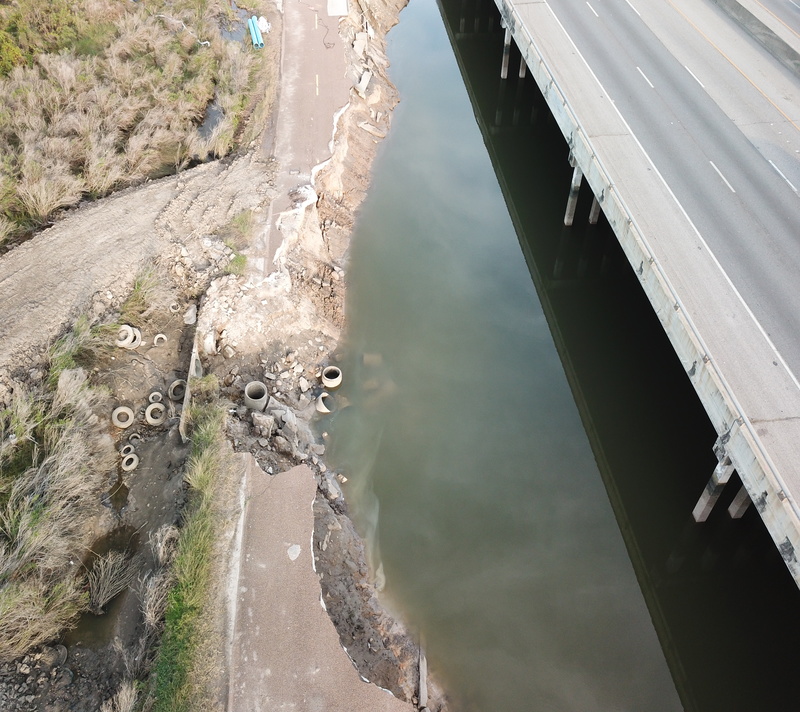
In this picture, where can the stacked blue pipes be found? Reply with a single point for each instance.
(255, 33)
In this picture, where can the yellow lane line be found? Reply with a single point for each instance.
(788, 27)
(734, 65)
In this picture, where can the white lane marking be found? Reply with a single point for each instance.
(794, 3)
(719, 173)
(780, 172)
(316, 80)
(592, 9)
(633, 8)
(669, 190)
(645, 78)
(694, 76)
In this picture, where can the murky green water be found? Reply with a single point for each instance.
(466, 447)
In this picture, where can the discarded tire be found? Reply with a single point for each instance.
(155, 414)
(325, 403)
(155, 397)
(177, 390)
(126, 450)
(125, 336)
(159, 339)
(134, 437)
(174, 307)
(331, 377)
(255, 395)
(129, 462)
(122, 417)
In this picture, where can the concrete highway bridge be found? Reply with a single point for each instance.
(683, 116)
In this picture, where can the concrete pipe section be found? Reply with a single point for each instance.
(155, 397)
(122, 417)
(159, 339)
(325, 403)
(128, 337)
(125, 336)
(155, 414)
(126, 450)
(134, 438)
(174, 307)
(255, 395)
(129, 462)
(331, 377)
(177, 390)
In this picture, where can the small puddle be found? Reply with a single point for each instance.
(97, 631)
(214, 114)
(234, 31)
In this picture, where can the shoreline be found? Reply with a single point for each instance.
(247, 327)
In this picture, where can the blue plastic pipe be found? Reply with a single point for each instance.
(254, 19)
(255, 33)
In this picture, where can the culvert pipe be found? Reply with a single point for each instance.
(255, 395)
(155, 414)
(177, 390)
(129, 462)
(331, 377)
(122, 417)
(125, 336)
(325, 403)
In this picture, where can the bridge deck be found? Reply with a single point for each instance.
(749, 392)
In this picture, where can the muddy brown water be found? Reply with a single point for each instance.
(522, 447)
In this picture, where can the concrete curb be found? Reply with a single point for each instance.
(760, 25)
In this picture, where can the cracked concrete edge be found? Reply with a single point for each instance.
(765, 29)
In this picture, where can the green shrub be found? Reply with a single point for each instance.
(10, 54)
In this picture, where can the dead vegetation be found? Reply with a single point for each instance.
(52, 461)
(99, 94)
(111, 574)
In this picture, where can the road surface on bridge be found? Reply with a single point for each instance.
(720, 120)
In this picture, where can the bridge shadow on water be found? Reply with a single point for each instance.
(726, 611)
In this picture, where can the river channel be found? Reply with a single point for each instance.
(523, 450)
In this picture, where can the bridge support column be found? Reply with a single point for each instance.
(572, 201)
(722, 473)
(523, 68)
(740, 504)
(506, 55)
(594, 213)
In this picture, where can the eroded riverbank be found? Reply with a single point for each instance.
(256, 326)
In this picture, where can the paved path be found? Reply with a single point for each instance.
(313, 88)
(285, 651)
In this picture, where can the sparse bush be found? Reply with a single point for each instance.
(124, 700)
(163, 542)
(111, 574)
(51, 467)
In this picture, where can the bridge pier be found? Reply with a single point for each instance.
(594, 213)
(722, 473)
(740, 504)
(572, 201)
(506, 54)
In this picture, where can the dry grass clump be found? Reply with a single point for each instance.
(98, 94)
(111, 574)
(124, 700)
(51, 466)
